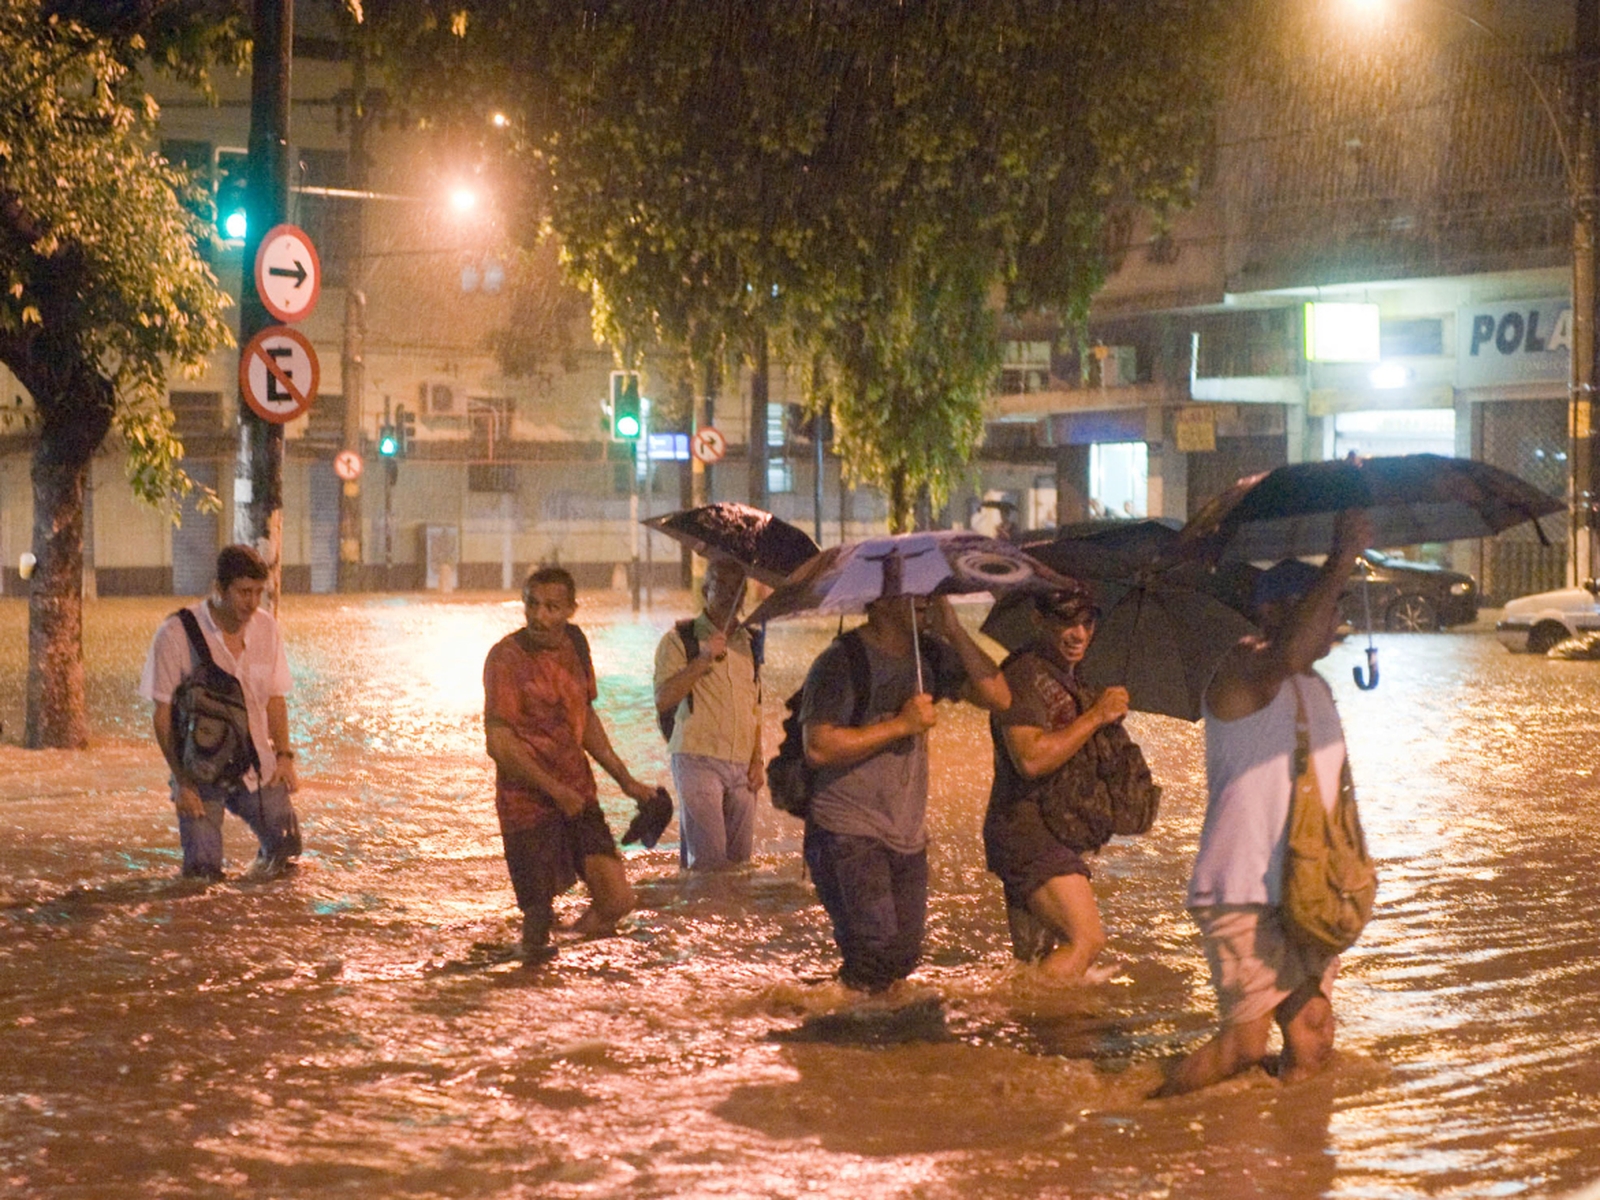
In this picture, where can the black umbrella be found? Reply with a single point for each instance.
(1162, 629)
(1410, 498)
(768, 548)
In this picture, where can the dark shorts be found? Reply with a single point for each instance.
(1022, 851)
(548, 859)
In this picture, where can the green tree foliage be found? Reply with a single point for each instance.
(865, 181)
(104, 292)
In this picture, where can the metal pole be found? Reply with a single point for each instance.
(1585, 353)
(633, 521)
(258, 468)
(818, 437)
(353, 361)
(649, 490)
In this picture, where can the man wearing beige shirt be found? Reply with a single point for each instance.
(714, 697)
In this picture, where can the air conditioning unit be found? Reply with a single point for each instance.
(437, 400)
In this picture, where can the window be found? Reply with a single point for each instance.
(1396, 431)
(331, 221)
(1119, 479)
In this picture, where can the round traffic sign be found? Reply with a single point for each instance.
(278, 374)
(708, 444)
(347, 465)
(288, 273)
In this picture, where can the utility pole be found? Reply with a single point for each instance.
(258, 470)
(1585, 453)
(758, 423)
(352, 365)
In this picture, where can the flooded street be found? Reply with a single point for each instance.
(360, 1029)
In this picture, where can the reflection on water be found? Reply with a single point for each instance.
(361, 1028)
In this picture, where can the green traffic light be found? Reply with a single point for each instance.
(627, 426)
(235, 226)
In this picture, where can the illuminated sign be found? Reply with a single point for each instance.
(1346, 333)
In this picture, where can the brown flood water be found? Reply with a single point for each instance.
(358, 1028)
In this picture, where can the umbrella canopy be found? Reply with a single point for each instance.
(768, 548)
(1410, 498)
(1161, 632)
(847, 578)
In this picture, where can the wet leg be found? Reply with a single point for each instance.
(1067, 902)
(1306, 1019)
(702, 836)
(201, 838)
(1236, 1048)
(611, 896)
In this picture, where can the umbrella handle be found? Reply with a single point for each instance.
(1370, 680)
(1367, 680)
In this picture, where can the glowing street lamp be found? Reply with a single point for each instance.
(463, 201)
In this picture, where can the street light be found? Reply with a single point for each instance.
(1580, 165)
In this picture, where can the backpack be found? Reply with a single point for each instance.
(790, 779)
(1329, 881)
(667, 720)
(210, 723)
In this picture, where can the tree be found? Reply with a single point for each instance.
(104, 289)
(860, 179)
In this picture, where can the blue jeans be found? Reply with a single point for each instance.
(878, 902)
(716, 811)
(266, 810)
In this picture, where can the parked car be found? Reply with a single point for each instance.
(1408, 596)
(1535, 623)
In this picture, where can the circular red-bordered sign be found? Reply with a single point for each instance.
(288, 273)
(708, 444)
(347, 465)
(278, 374)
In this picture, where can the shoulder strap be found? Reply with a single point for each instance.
(689, 638)
(855, 653)
(580, 645)
(197, 639)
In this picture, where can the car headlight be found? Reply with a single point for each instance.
(1460, 589)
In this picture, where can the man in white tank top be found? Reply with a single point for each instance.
(1260, 974)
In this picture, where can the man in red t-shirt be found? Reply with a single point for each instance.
(541, 729)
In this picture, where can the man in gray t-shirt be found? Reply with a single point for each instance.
(866, 835)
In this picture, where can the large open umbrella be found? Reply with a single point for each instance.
(767, 547)
(1410, 498)
(1162, 630)
(849, 577)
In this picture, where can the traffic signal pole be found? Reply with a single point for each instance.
(1585, 454)
(258, 468)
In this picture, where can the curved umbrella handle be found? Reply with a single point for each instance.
(1367, 680)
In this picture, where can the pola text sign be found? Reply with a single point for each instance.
(1516, 341)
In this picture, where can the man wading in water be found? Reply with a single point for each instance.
(1260, 973)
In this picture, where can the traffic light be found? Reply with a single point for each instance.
(388, 441)
(230, 181)
(627, 419)
(405, 429)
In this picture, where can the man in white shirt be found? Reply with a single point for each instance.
(1260, 692)
(246, 643)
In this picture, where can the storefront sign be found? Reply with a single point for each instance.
(1522, 341)
(1195, 430)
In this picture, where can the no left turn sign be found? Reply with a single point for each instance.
(278, 374)
(708, 444)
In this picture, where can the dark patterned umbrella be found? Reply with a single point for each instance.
(1410, 498)
(1163, 627)
(768, 548)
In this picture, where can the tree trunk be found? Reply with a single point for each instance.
(57, 714)
(899, 502)
(758, 424)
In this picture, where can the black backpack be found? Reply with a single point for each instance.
(667, 720)
(790, 779)
(210, 724)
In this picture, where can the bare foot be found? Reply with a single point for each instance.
(592, 925)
